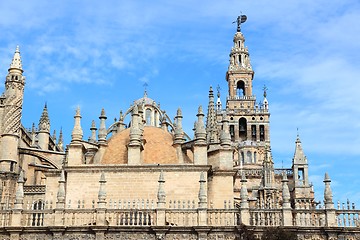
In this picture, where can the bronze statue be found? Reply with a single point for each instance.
(240, 19)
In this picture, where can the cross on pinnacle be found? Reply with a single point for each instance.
(145, 85)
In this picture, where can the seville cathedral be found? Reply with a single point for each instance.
(143, 177)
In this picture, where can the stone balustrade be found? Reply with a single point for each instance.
(348, 218)
(265, 217)
(176, 213)
(310, 218)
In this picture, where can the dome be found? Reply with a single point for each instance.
(145, 100)
(158, 147)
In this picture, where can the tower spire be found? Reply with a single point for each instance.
(16, 61)
(44, 122)
(61, 141)
(211, 118)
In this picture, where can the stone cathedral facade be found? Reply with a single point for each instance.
(143, 177)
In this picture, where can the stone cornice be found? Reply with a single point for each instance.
(138, 168)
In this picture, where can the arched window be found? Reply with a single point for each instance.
(156, 115)
(240, 88)
(254, 157)
(242, 158)
(148, 116)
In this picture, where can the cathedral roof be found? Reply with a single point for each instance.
(158, 147)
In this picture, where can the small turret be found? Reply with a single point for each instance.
(179, 133)
(225, 138)
(102, 130)
(303, 193)
(200, 132)
(179, 136)
(77, 133)
(300, 165)
(328, 197)
(93, 129)
(11, 115)
(134, 147)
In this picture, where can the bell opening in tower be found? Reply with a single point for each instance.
(242, 129)
(253, 132)
(301, 176)
(232, 132)
(262, 133)
(240, 88)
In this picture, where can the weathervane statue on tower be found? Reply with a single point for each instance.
(240, 19)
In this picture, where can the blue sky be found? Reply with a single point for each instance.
(99, 54)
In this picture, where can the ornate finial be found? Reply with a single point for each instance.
(77, 113)
(265, 89)
(103, 114)
(19, 196)
(61, 191)
(145, 85)
(240, 19)
(161, 195)
(202, 191)
(102, 129)
(54, 135)
(218, 90)
(77, 132)
(121, 118)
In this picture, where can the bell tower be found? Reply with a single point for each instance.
(249, 120)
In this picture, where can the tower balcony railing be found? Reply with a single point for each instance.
(242, 111)
(244, 97)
